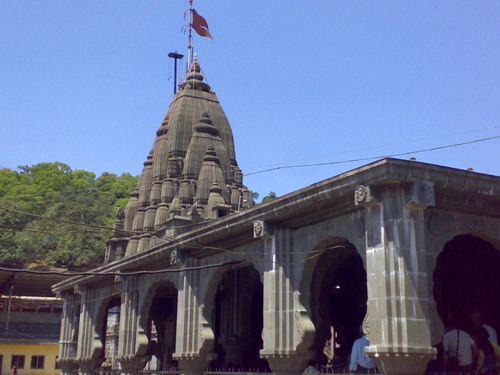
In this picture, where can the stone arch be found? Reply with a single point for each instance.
(466, 279)
(334, 292)
(234, 301)
(101, 323)
(158, 320)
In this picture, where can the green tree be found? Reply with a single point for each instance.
(51, 215)
(269, 197)
(254, 196)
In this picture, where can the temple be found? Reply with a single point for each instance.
(198, 280)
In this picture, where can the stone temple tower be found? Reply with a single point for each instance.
(190, 175)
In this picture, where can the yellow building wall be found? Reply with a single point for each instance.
(50, 351)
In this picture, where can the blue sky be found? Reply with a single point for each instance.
(87, 83)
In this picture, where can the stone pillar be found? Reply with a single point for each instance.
(398, 295)
(89, 340)
(194, 336)
(132, 337)
(69, 333)
(286, 324)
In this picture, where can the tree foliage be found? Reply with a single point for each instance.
(269, 197)
(51, 215)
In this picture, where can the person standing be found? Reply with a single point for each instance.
(360, 363)
(478, 321)
(459, 344)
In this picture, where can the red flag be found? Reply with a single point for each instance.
(200, 25)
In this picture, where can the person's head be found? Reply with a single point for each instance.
(449, 324)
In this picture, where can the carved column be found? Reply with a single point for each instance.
(398, 295)
(195, 338)
(284, 325)
(132, 338)
(69, 333)
(89, 342)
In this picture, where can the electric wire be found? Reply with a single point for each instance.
(62, 220)
(373, 157)
(203, 247)
(18, 333)
(380, 146)
(119, 273)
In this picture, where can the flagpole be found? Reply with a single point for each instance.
(190, 36)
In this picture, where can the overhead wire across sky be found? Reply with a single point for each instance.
(374, 157)
(94, 227)
(380, 146)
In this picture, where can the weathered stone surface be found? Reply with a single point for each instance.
(214, 286)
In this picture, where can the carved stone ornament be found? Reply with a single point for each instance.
(258, 228)
(422, 194)
(262, 229)
(173, 257)
(363, 196)
(119, 279)
(79, 289)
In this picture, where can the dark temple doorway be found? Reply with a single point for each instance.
(162, 326)
(467, 280)
(338, 301)
(238, 321)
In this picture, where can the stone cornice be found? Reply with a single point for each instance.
(322, 199)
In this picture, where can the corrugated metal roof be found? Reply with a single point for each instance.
(28, 284)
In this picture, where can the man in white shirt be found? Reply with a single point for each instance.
(459, 344)
(478, 321)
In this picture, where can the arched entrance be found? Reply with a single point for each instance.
(237, 318)
(466, 280)
(161, 327)
(338, 300)
(109, 334)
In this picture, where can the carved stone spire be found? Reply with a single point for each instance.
(192, 149)
(210, 172)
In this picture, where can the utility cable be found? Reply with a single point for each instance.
(380, 146)
(373, 157)
(119, 273)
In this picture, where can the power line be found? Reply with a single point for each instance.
(379, 146)
(119, 273)
(98, 227)
(373, 157)
(61, 220)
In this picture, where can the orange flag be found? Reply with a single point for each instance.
(200, 25)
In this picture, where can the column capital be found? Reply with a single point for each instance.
(287, 361)
(421, 194)
(402, 361)
(194, 364)
(133, 364)
(67, 366)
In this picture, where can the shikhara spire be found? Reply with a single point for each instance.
(191, 174)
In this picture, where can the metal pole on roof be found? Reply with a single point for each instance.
(8, 309)
(176, 56)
